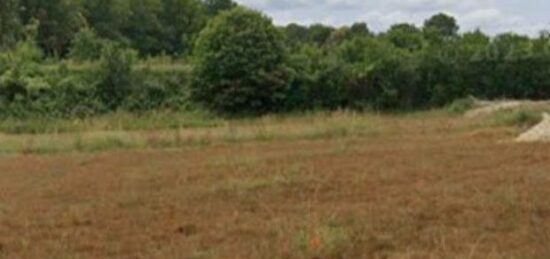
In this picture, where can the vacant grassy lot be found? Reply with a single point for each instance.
(322, 186)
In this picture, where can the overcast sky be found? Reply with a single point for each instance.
(492, 16)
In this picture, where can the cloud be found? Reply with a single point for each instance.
(492, 16)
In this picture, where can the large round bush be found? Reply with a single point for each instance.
(240, 64)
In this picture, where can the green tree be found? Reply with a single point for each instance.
(143, 27)
(19, 76)
(355, 50)
(240, 64)
(319, 81)
(59, 21)
(444, 24)
(405, 36)
(319, 33)
(214, 7)
(473, 63)
(440, 27)
(181, 20)
(360, 29)
(474, 44)
(86, 45)
(115, 75)
(150, 26)
(339, 36)
(108, 17)
(10, 25)
(295, 34)
(513, 67)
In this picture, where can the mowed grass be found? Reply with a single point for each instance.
(340, 185)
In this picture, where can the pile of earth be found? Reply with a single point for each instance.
(490, 107)
(538, 133)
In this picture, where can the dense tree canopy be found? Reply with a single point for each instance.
(443, 24)
(234, 60)
(213, 7)
(240, 64)
(360, 29)
(295, 34)
(10, 25)
(59, 21)
(319, 33)
(150, 26)
(107, 17)
(405, 36)
(440, 27)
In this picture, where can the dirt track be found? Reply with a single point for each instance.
(425, 190)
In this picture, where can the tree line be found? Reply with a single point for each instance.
(150, 26)
(241, 63)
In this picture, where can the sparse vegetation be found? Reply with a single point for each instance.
(125, 131)
(392, 186)
(519, 118)
(121, 121)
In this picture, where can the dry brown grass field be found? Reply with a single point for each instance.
(344, 185)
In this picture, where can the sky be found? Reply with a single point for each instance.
(491, 16)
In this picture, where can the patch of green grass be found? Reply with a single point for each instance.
(121, 121)
(461, 106)
(127, 131)
(108, 143)
(36, 126)
(517, 118)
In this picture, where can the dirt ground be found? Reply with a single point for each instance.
(430, 188)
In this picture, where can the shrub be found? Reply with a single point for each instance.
(115, 75)
(75, 98)
(20, 80)
(86, 46)
(240, 64)
(318, 82)
(461, 106)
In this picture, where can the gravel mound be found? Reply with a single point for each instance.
(539, 133)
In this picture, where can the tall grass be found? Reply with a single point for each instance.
(126, 131)
(121, 121)
(517, 118)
